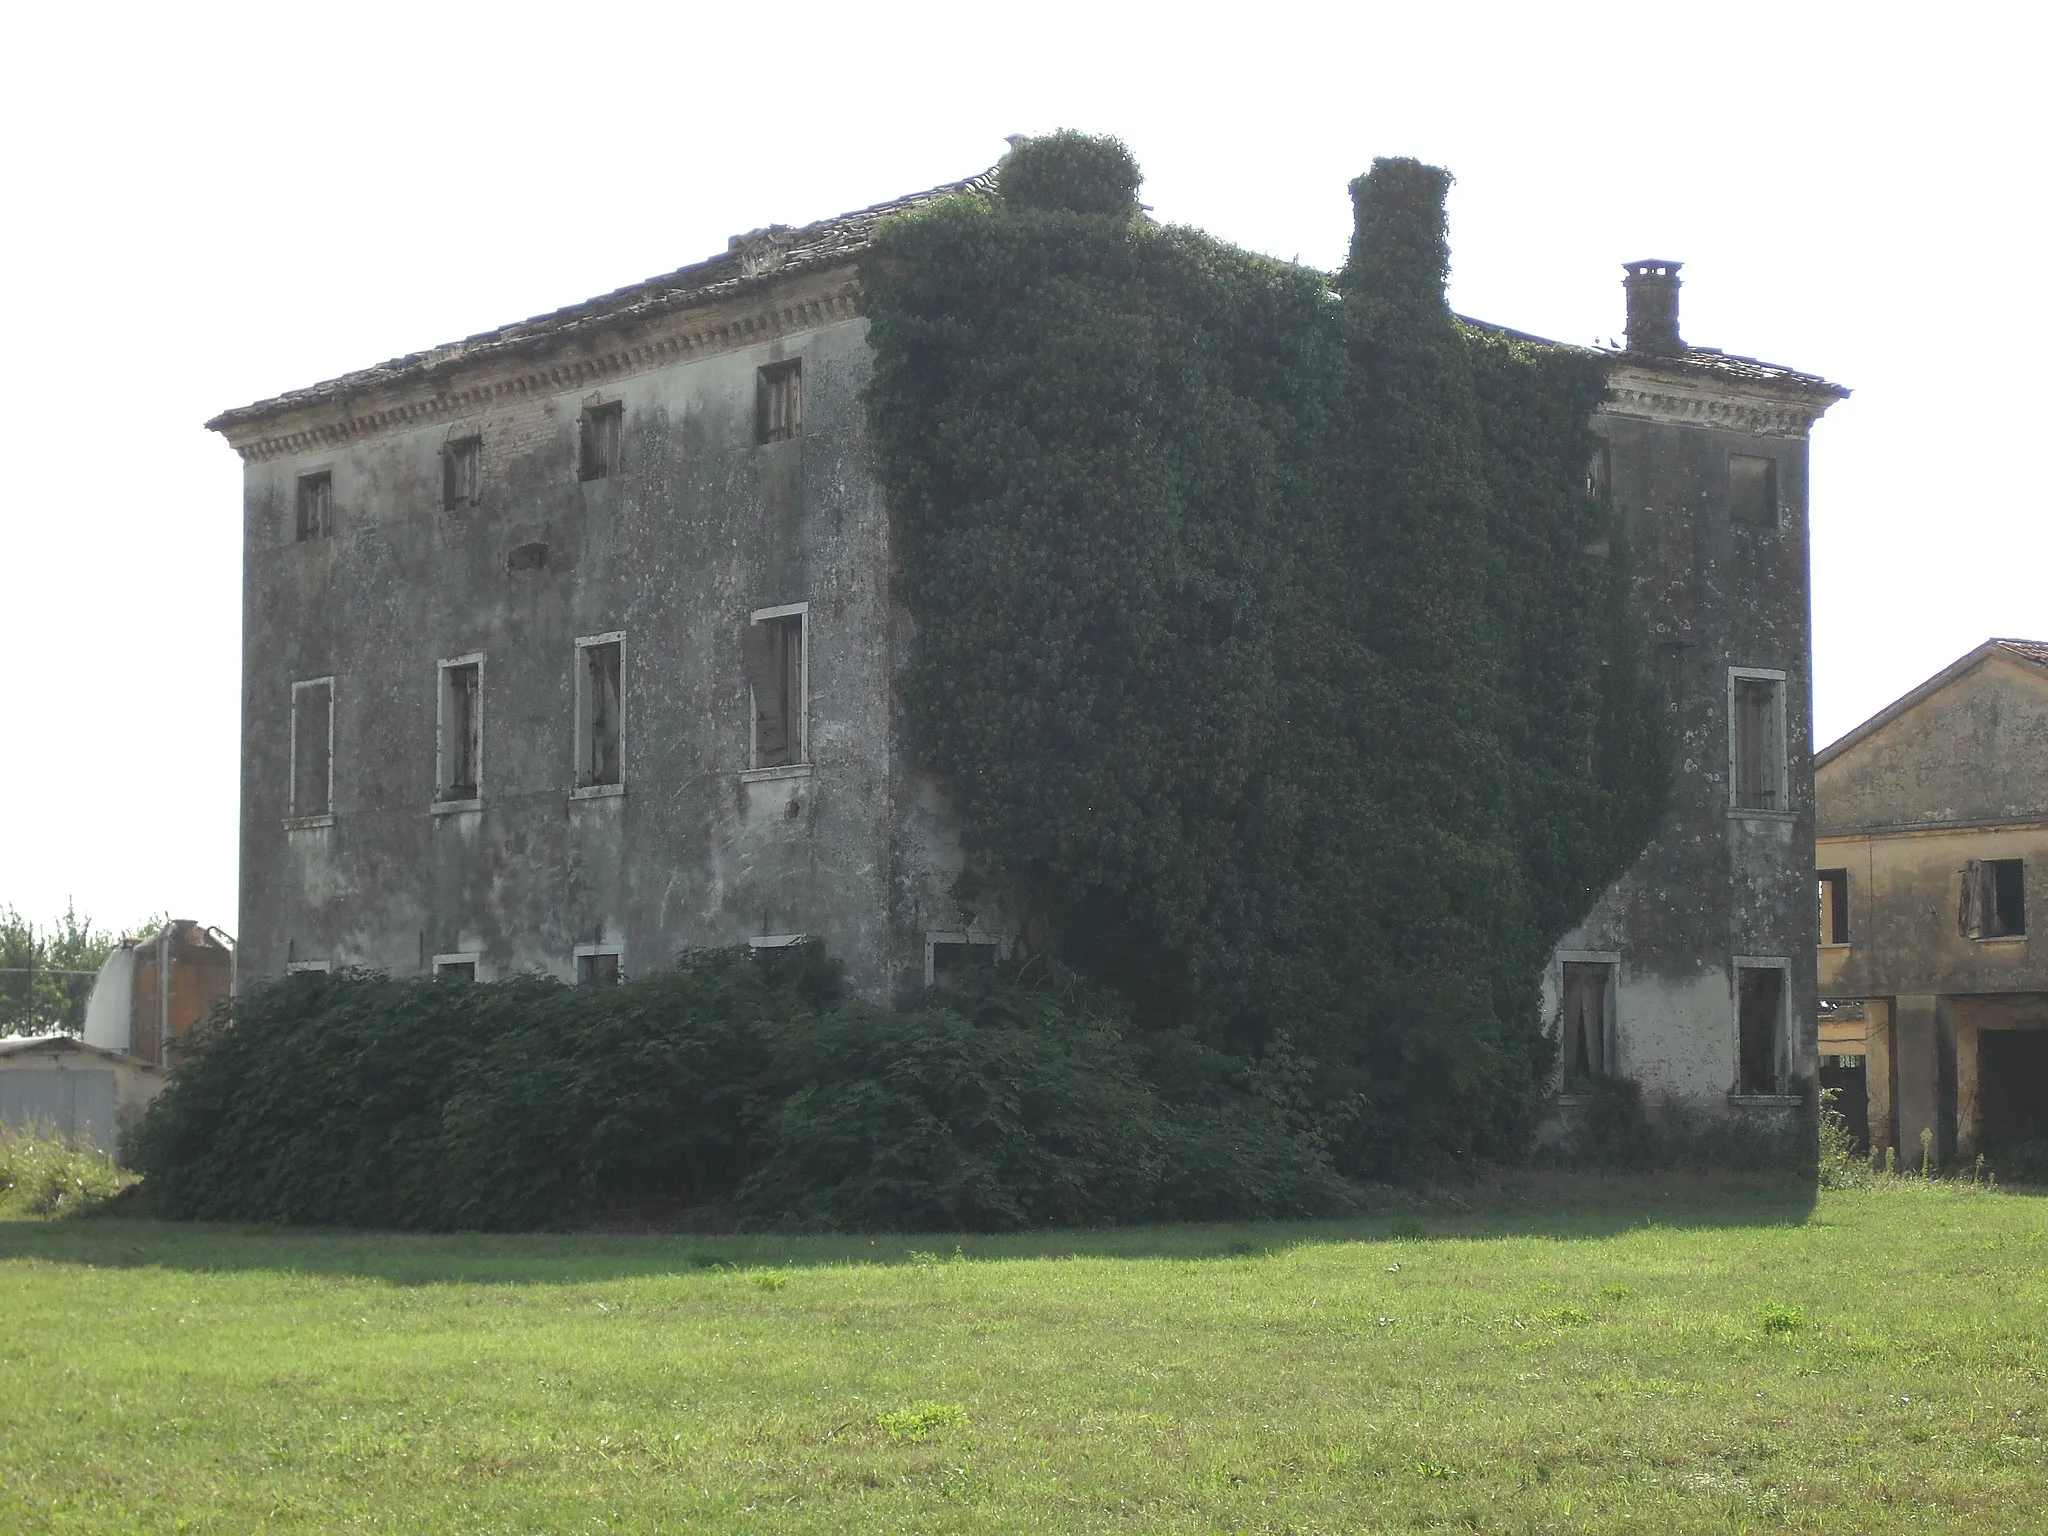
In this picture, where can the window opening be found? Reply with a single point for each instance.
(1759, 768)
(1834, 906)
(951, 957)
(597, 968)
(312, 747)
(775, 666)
(461, 467)
(1586, 988)
(1600, 471)
(461, 967)
(461, 768)
(1752, 490)
(1994, 899)
(598, 720)
(779, 401)
(1759, 1027)
(316, 505)
(597, 455)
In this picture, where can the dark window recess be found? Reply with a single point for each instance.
(461, 970)
(1752, 490)
(1834, 906)
(1584, 1041)
(773, 655)
(597, 970)
(1600, 472)
(1759, 754)
(312, 748)
(779, 401)
(597, 453)
(953, 959)
(1847, 1078)
(600, 754)
(1759, 1020)
(461, 730)
(316, 506)
(1994, 899)
(2012, 1084)
(461, 467)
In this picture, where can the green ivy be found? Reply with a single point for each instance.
(1261, 635)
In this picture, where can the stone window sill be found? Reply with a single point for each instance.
(1574, 1100)
(597, 791)
(1764, 1100)
(2002, 938)
(456, 807)
(1750, 813)
(308, 823)
(786, 771)
(1832, 946)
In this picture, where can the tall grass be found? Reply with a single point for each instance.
(42, 1174)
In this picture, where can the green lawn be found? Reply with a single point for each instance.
(1583, 1357)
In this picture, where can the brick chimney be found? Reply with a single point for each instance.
(1652, 288)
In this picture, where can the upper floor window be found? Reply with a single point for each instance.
(461, 470)
(1834, 906)
(461, 733)
(779, 401)
(1752, 490)
(1994, 899)
(596, 967)
(599, 734)
(1756, 740)
(597, 453)
(778, 677)
(316, 505)
(312, 748)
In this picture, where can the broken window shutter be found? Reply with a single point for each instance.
(1970, 907)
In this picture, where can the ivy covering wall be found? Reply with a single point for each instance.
(1268, 637)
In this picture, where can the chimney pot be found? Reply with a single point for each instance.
(1652, 288)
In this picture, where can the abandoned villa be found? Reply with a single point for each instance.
(570, 647)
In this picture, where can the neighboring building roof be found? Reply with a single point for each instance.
(2032, 654)
(779, 251)
(748, 259)
(25, 1045)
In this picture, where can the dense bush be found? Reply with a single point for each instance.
(736, 1081)
(1268, 635)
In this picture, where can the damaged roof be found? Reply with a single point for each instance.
(748, 260)
(765, 255)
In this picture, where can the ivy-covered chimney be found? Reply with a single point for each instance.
(1652, 288)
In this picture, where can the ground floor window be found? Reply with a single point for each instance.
(1760, 1028)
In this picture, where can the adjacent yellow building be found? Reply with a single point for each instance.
(1932, 843)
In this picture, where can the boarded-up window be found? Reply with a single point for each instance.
(773, 654)
(462, 720)
(1759, 1029)
(1994, 899)
(1586, 989)
(1834, 906)
(598, 732)
(779, 401)
(313, 747)
(316, 505)
(1758, 772)
(461, 472)
(1752, 490)
(597, 453)
(597, 970)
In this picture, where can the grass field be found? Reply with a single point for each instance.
(1593, 1356)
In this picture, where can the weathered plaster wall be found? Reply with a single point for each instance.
(1716, 883)
(699, 526)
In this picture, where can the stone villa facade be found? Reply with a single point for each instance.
(570, 647)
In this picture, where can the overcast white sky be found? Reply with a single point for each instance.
(207, 204)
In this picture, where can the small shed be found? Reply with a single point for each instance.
(90, 1096)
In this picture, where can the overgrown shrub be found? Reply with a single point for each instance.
(1263, 633)
(736, 1080)
(41, 1174)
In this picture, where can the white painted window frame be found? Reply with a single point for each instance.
(1784, 793)
(801, 768)
(775, 940)
(1783, 965)
(441, 729)
(612, 948)
(578, 754)
(1610, 1010)
(314, 818)
(461, 957)
(308, 967)
(1000, 943)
